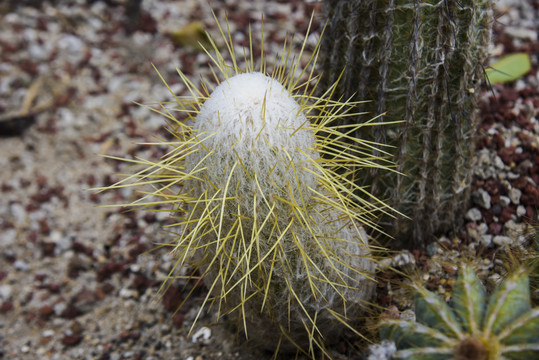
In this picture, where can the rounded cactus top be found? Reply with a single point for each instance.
(247, 104)
(251, 118)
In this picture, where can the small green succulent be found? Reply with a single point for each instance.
(474, 327)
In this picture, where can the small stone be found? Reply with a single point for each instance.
(504, 201)
(18, 212)
(21, 265)
(521, 211)
(71, 340)
(382, 351)
(498, 162)
(5, 307)
(486, 240)
(481, 198)
(403, 260)
(513, 229)
(128, 293)
(178, 319)
(7, 237)
(514, 195)
(59, 308)
(524, 167)
(432, 249)
(47, 333)
(203, 334)
(482, 228)
(495, 228)
(5, 292)
(46, 310)
(501, 240)
(408, 315)
(474, 214)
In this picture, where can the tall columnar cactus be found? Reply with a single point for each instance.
(419, 61)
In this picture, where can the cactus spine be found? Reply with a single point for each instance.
(420, 61)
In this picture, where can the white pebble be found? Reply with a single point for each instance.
(127, 293)
(504, 201)
(5, 292)
(501, 240)
(481, 198)
(202, 334)
(21, 265)
(514, 195)
(474, 214)
(18, 213)
(47, 333)
(486, 240)
(7, 237)
(383, 351)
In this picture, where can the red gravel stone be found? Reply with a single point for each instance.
(495, 228)
(506, 214)
(46, 311)
(530, 196)
(172, 298)
(71, 340)
(70, 312)
(6, 306)
(178, 320)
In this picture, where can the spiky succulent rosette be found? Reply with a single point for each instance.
(262, 184)
(476, 327)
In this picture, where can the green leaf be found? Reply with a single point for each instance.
(408, 334)
(524, 330)
(509, 68)
(520, 352)
(432, 311)
(469, 300)
(510, 300)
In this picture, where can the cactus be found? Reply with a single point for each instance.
(274, 229)
(420, 61)
(474, 327)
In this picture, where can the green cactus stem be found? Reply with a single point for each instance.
(421, 62)
(503, 326)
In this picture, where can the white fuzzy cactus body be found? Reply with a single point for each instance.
(252, 120)
(269, 214)
(291, 261)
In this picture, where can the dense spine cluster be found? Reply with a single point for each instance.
(261, 179)
(421, 62)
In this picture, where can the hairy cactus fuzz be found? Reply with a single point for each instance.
(475, 327)
(261, 179)
(421, 62)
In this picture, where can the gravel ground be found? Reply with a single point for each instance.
(77, 280)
